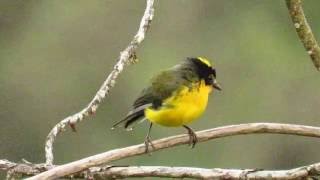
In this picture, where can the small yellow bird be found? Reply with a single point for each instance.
(175, 97)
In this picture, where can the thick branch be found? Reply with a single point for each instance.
(172, 141)
(202, 173)
(126, 57)
(170, 172)
(22, 169)
(304, 31)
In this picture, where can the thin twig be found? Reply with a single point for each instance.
(169, 172)
(126, 57)
(304, 31)
(121, 153)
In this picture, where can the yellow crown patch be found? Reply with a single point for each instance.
(205, 61)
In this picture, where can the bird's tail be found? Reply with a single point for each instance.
(130, 118)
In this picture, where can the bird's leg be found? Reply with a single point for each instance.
(192, 136)
(147, 140)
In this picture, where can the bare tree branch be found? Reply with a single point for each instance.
(126, 57)
(106, 172)
(205, 135)
(22, 169)
(304, 31)
(202, 173)
(89, 167)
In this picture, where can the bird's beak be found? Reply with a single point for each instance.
(216, 85)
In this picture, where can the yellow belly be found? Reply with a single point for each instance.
(182, 108)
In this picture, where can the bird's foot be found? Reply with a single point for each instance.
(148, 143)
(193, 139)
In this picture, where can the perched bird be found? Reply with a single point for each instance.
(175, 97)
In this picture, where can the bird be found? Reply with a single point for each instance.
(175, 97)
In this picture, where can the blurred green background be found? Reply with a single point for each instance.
(54, 55)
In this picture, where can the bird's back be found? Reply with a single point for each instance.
(161, 87)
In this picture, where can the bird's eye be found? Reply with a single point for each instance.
(214, 72)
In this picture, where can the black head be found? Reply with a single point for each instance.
(205, 71)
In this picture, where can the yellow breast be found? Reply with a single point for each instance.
(183, 107)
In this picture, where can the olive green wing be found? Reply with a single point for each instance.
(162, 86)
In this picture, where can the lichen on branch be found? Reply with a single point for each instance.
(126, 57)
(304, 31)
(205, 135)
